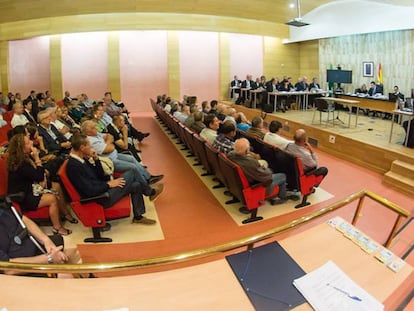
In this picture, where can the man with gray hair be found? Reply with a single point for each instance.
(255, 172)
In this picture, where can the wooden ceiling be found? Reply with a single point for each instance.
(275, 11)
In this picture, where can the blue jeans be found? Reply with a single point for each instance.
(125, 162)
(278, 179)
(131, 187)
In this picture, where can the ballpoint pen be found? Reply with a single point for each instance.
(356, 298)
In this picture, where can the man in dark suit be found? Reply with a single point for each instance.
(35, 103)
(375, 89)
(235, 85)
(54, 141)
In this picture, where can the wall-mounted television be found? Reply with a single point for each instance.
(338, 76)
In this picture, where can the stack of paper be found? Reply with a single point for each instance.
(328, 288)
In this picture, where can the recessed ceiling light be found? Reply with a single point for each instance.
(292, 5)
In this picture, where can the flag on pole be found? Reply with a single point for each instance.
(380, 74)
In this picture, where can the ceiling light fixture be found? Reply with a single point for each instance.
(297, 22)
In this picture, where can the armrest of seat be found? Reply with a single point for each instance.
(17, 197)
(261, 184)
(104, 195)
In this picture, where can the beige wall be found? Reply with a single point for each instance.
(393, 49)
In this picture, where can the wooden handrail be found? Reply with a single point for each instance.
(216, 249)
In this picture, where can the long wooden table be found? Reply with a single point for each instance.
(211, 286)
(371, 103)
(303, 97)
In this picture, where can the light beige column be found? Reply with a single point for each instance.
(173, 65)
(4, 67)
(55, 56)
(224, 66)
(114, 70)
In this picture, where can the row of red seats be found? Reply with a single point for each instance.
(228, 173)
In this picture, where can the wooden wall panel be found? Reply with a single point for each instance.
(280, 59)
(4, 67)
(173, 64)
(224, 66)
(56, 87)
(114, 80)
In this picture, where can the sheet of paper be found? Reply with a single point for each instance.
(328, 288)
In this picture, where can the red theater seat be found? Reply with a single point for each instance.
(91, 213)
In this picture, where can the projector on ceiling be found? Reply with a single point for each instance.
(297, 22)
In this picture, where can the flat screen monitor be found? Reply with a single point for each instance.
(338, 76)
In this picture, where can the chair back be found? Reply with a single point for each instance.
(73, 195)
(321, 105)
(212, 158)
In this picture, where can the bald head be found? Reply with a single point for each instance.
(241, 146)
(300, 136)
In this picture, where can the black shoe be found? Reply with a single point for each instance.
(154, 179)
(277, 201)
(293, 197)
(244, 210)
(106, 228)
(142, 136)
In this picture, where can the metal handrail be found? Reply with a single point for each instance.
(216, 249)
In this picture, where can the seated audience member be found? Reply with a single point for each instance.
(190, 119)
(119, 131)
(75, 112)
(48, 251)
(27, 175)
(61, 127)
(221, 112)
(231, 115)
(257, 128)
(85, 104)
(224, 140)
(273, 137)
(27, 104)
(209, 133)
(213, 107)
(12, 100)
(50, 161)
(174, 107)
(205, 107)
(304, 151)
(100, 118)
(35, 103)
(67, 98)
(198, 124)
(63, 117)
(255, 172)
(18, 117)
(54, 141)
(183, 114)
(242, 123)
(104, 145)
(89, 180)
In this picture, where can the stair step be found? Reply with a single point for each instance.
(403, 168)
(400, 182)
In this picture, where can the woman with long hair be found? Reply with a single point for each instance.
(27, 175)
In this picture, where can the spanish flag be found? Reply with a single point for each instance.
(380, 74)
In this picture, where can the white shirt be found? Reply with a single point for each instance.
(276, 140)
(208, 134)
(19, 119)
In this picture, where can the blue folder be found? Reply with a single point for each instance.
(266, 274)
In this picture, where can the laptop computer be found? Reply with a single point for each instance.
(408, 107)
(392, 97)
